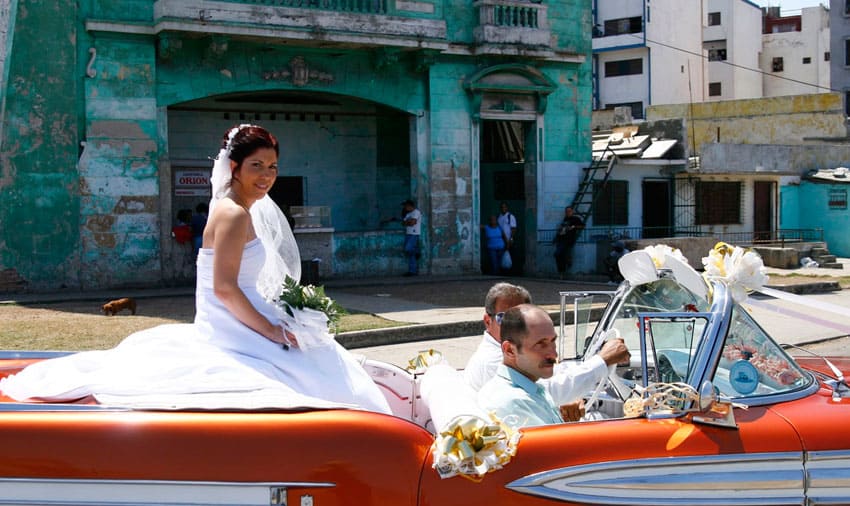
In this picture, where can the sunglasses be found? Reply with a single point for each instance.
(498, 317)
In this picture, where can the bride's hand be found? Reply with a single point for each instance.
(282, 337)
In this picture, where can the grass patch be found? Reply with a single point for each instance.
(795, 278)
(79, 325)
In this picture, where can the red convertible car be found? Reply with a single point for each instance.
(709, 411)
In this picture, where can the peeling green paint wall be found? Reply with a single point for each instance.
(39, 187)
(85, 136)
(119, 214)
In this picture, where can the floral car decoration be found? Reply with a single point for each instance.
(709, 410)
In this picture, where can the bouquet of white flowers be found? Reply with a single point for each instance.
(313, 314)
(743, 270)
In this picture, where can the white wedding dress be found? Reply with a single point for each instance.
(215, 363)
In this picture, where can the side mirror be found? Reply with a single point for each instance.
(707, 396)
(713, 411)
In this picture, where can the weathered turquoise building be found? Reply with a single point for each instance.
(111, 110)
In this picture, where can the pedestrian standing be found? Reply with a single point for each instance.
(412, 221)
(565, 239)
(496, 243)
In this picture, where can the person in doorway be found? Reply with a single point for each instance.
(495, 241)
(565, 239)
(507, 221)
(199, 221)
(412, 221)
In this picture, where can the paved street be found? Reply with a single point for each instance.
(787, 322)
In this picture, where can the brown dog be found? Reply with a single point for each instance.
(114, 306)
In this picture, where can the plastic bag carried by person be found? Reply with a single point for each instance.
(507, 261)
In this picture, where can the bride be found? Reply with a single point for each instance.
(242, 351)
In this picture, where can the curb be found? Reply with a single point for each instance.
(809, 288)
(432, 331)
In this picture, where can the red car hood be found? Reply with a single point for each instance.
(818, 364)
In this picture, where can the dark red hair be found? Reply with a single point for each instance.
(247, 141)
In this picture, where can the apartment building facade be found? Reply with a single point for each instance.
(796, 56)
(646, 52)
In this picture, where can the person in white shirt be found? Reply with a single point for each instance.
(412, 222)
(568, 383)
(514, 393)
(507, 222)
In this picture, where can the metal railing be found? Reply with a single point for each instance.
(777, 237)
(356, 6)
(509, 14)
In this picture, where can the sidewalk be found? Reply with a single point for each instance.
(434, 307)
(437, 307)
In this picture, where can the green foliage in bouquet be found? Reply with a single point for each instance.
(296, 296)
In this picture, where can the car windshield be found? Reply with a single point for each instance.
(661, 296)
(752, 364)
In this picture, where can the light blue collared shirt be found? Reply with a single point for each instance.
(518, 401)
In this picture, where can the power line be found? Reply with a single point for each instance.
(760, 71)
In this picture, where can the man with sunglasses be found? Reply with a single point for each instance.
(528, 347)
(568, 383)
(487, 357)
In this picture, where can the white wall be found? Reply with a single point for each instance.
(620, 89)
(741, 28)
(675, 43)
(811, 42)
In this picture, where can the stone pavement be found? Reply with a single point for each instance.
(435, 307)
(439, 307)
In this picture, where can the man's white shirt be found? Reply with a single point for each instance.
(507, 221)
(568, 384)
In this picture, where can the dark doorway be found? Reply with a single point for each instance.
(763, 210)
(502, 179)
(286, 192)
(657, 214)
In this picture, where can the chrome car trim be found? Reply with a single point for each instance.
(732, 480)
(828, 477)
(66, 492)
(791, 395)
(28, 407)
(32, 355)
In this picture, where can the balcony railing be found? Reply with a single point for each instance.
(399, 23)
(511, 15)
(415, 8)
(359, 6)
(778, 237)
(512, 22)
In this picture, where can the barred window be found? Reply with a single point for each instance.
(611, 203)
(718, 203)
(838, 199)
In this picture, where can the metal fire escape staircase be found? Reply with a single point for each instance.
(588, 190)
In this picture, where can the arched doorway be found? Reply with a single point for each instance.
(345, 166)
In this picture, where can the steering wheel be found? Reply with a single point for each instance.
(613, 379)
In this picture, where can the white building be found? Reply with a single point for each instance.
(795, 53)
(733, 39)
(646, 52)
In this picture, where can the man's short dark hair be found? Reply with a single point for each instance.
(513, 326)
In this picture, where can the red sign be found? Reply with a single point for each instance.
(192, 183)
